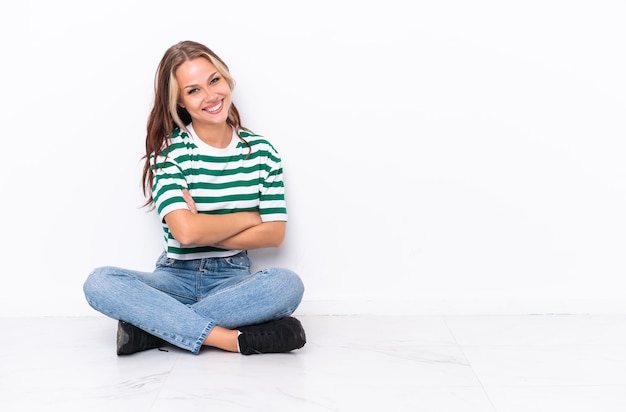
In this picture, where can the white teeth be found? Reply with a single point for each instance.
(215, 108)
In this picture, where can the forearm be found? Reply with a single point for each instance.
(204, 229)
(269, 234)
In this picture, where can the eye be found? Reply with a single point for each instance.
(192, 91)
(215, 80)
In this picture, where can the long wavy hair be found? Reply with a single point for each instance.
(166, 115)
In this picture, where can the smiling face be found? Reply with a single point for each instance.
(203, 92)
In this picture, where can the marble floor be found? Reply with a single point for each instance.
(350, 363)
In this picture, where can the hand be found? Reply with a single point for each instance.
(190, 203)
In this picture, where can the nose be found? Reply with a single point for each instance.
(208, 95)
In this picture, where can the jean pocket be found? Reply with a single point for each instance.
(238, 261)
(164, 261)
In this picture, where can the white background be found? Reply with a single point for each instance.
(440, 157)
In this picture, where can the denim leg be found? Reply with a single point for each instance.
(265, 295)
(181, 301)
(139, 298)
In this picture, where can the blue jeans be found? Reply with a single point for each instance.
(181, 301)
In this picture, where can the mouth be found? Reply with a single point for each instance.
(216, 108)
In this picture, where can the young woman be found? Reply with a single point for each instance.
(218, 189)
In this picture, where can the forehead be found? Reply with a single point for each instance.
(194, 70)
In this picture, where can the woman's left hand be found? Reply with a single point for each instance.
(190, 203)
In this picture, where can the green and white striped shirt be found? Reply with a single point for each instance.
(233, 179)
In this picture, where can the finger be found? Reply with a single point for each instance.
(189, 200)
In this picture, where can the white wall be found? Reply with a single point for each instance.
(440, 157)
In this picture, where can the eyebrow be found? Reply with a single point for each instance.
(211, 77)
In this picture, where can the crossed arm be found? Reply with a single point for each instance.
(241, 230)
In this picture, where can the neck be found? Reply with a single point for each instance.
(218, 136)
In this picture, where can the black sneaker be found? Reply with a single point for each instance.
(131, 339)
(277, 336)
